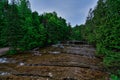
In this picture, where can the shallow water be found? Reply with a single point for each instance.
(73, 62)
(4, 73)
(6, 60)
(3, 60)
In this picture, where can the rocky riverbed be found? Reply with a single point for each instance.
(56, 62)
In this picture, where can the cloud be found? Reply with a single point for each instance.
(74, 11)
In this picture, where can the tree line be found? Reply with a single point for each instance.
(22, 29)
(102, 29)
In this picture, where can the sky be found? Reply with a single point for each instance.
(74, 11)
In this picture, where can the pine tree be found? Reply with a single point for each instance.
(105, 28)
(13, 27)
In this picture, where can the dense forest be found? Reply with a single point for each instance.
(102, 29)
(22, 29)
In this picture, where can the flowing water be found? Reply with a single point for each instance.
(56, 62)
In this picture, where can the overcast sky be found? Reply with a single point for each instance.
(74, 11)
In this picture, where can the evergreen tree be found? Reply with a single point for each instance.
(2, 24)
(103, 30)
(13, 27)
(26, 29)
(77, 32)
(56, 27)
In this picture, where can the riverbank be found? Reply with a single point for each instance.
(64, 62)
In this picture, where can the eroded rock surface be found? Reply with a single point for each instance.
(71, 62)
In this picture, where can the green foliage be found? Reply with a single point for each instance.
(114, 77)
(77, 32)
(22, 29)
(11, 52)
(102, 28)
(3, 6)
(56, 28)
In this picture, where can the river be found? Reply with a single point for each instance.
(56, 62)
